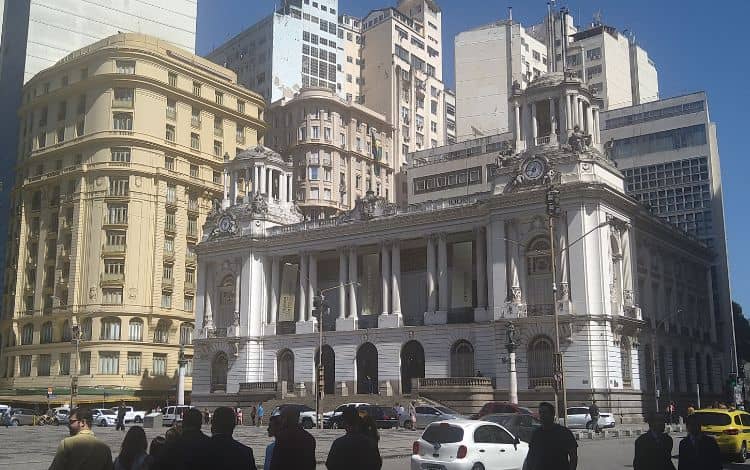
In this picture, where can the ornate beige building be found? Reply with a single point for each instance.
(122, 146)
(340, 150)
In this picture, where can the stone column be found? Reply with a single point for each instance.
(237, 294)
(275, 288)
(589, 120)
(256, 178)
(385, 274)
(353, 312)
(581, 119)
(247, 183)
(442, 274)
(282, 187)
(301, 304)
(534, 124)
(181, 362)
(431, 275)
(233, 188)
(569, 112)
(552, 117)
(627, 269)
(481, 260)
(262, 179)
(342, 287)
(396, 278)
(597, 132)
(313, 285)
(517, 123)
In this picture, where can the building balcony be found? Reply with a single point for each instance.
(172, 114)
(193, 207)
(189, 286)
(110, 279)
(116, 222)
(541, 382)
(171, 203)
(170, 228)
(191, 235)
(538, 310)
(545, 140)
(169, 256)
(191, 259)
(167, 283)
(109, 250)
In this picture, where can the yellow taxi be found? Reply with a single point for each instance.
(730, 428)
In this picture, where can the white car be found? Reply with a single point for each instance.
(579, 418)
(174, 414)
(131, 415)
(462, 444)
(104, 417)
(307, 416)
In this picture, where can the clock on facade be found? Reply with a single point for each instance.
(533, 169)
(225, 224)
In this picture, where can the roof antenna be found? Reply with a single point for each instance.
(510, 14)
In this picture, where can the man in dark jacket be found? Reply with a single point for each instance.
(190, 450)
(698, 451)
(226, 453)
(653, 450)
(354, 446)
(594, 413)
(295, 447)
(121, 411)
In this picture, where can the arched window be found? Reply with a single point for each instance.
(462, 359)
(219, 370)
(367, 369)
(27, 334)
(86, 329)
(110, 329)
(285, 365)
(47, 331)
(626, 363)
(709, 373)
(135, 330)
(66, 332)
(186, 333)
(541, 362)
(161, 333)
(539, 278)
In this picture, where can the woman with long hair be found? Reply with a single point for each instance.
(133, 454)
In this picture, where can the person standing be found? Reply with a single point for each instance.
(121, 417)
(206, 416)
(225, 453)
(552, 447)
(260, 414)
(594, 413)
(698, 451)
(354, 446)
(188, 450)
(239, 415)
(133, 454)
(413, 415)
(295, 447)
(653, 450)
(274, 424)
(82, 450)
(253, 414)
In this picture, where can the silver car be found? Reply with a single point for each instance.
(579, 418)
(22, 417)
(427, 414)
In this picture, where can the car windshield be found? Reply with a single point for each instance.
(445, 410)
(303, 408)
(713, 419)
(443, 433)
(108, 412)
(499, 419)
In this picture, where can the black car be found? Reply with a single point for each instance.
(385, 417)
(520, 425)
(307, 416)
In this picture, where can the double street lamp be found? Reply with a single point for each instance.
(76, 340)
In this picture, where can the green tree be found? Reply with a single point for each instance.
(742, 334)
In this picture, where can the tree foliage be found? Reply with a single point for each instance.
(741, 333)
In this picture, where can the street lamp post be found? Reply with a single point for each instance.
(76, 340)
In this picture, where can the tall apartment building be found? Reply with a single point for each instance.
(668, 151)
(450, 116)
(402, 73)
(341, 150)
(36, 34)
(296, 46)
(491, 58)
(122, 146)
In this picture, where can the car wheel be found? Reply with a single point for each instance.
(307, 423)
(138, 419)
(590, 425)
(335, 425)
(103, 423)
(742, 456)
(14, 422)
(477, 466)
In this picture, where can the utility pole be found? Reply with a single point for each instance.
(182, 362)
(553, 211)
(76, 339)
(320, 304)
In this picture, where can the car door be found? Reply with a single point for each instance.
(495, 447)
(745, 420)
(577, 417)
(424, 418)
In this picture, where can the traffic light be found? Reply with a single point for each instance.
(732, 380)
(553, 202)
(318, 302)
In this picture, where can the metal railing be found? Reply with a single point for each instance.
(258, 386)
(535, 382)
(454, 382)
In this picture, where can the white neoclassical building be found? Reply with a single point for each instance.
(424, 296)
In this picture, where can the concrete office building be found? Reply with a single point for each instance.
(491, 58)
(668, 152)
(450, 116)
(36, 34)
(340, 150)
(402, 74)
(121, 153)
(296, 46)
(422, 297)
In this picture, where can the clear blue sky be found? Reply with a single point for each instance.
(696, 46)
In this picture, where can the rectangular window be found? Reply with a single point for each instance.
(240, 134)
(216, 178)
(84, 363)
(192, 228)
(172, 77)
(117, 214)
(122, 121)
(80, 124)
(160, 364)
(81, 108)
(125, 66)
(109, 362)
(170, 221)
(171, 194)
(196, 88)
(25, 365)
(189, 304)
(135, 332)
(112, 296)
(195, 117)
(44, 365)
(115, 238)
(314, 173)
(166, 300)
(240, 106)
(134, 363)
(123, 98)
(219, 98)
(218, 148)
(170, 133)
(64, 363)
(62, 111)
(171, 109)
(118, 186)
(120, 154)
(61, 135)
(169, 245)
(169, 163)
(195, 141)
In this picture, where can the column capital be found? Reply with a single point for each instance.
(480, 230)
(386, 243)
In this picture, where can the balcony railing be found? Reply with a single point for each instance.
(191, 259)
(122, 103)
(535, 382)
(455, 382)
(258, 386)
(171, 113)
(170, 227)
(544, 140)
(113, 249)
(189, 286)
(112, 278)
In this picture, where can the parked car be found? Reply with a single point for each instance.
(61, 415)
(579, 418)
(521, 425)
(131, 415)
(337, 412)
(385, 417)
(427, 414)
(173, 414)
(494, 407)
(307, 416)
(463, 444)
(729, 428)
(22, 417)
(103, 417)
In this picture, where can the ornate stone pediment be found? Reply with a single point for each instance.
(368, 208)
